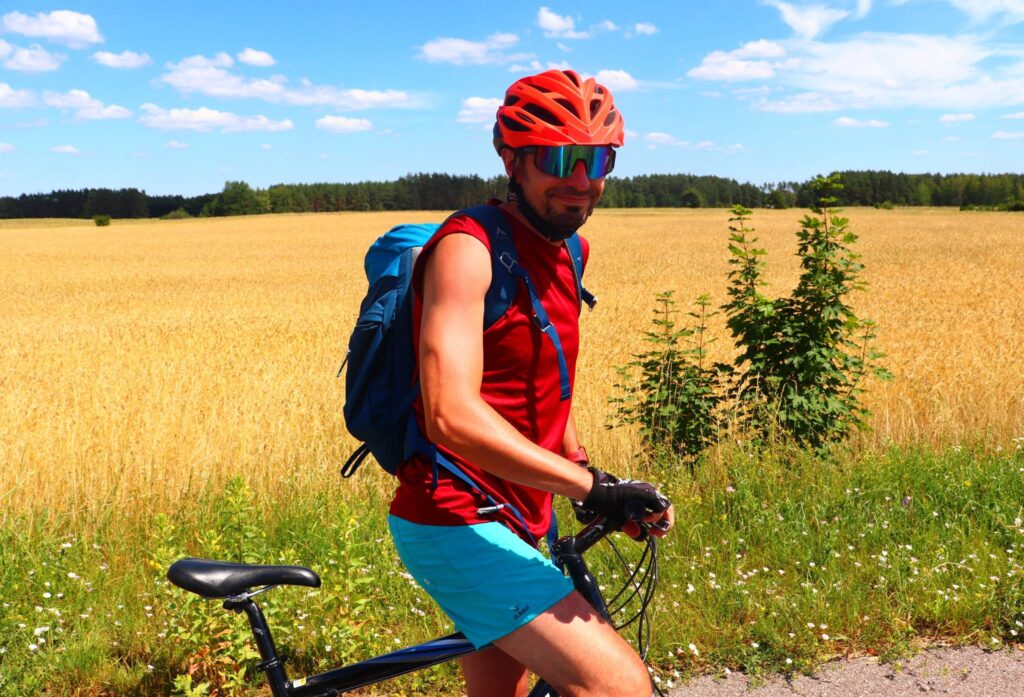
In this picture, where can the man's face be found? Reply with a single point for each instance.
(565, 203)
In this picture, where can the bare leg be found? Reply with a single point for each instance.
(493, 673)
(578, 653)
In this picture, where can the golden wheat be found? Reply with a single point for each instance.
(144, 359)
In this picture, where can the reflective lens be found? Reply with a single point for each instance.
(559, 161)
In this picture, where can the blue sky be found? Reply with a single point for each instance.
(180, 97)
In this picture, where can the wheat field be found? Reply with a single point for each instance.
(143, 360)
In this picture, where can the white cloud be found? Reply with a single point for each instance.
(1008, 135)
(642, 29)
(125, 60)
(875, 71)
(72, 29)
(728, 66)
(1018, 115)
(661, 139)
(209, 76)
(863, 8)
(251, 56)
(478, 110)
(919, 152)
(266, 146)
(657, 139)
(65, 149)
(340, 124)
(803, 103)
(11, 98)
(6, 147)
(34, 59)
(5, 49)
(85, 106)
(556, 26)
(177, 145)
(490, 51)
(617, 80)
(808, 21)
(983, 10)
(205, 120)
(847, 122)
(537, 66)
(955, 118)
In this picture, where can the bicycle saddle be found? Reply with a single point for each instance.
(220, 579)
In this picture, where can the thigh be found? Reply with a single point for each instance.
(578, 652)
(493, 673)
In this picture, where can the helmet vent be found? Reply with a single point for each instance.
(569, 106)
(511, 99)
(595, 106)
(612, 116)
(543, 114)
(572, 77)
(513, 125)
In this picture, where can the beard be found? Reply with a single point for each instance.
(567, 218)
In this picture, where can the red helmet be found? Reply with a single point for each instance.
(557, 107)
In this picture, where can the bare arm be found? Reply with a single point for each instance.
(571, 439)
(455, 281)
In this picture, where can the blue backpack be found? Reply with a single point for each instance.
(379, 383)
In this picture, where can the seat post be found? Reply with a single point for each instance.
(272, 664)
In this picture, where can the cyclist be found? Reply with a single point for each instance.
(491, 401)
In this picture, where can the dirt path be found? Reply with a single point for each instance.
(966, 672)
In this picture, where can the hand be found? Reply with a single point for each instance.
(638, 501)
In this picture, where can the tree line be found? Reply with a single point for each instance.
(450, 192)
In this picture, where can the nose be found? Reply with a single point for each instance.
(578, 177)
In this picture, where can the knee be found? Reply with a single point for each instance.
(635, 682)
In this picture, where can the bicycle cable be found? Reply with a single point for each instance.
(638, 588)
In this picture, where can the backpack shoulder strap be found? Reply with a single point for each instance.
(502, 292)
(575, 248)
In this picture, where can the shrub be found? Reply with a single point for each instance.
(668, 391)
(176, 214)
(802, 358)
(101, 220)
(692, 198)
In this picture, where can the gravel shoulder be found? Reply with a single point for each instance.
(969, 671)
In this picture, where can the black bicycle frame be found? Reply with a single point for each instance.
(567, 552)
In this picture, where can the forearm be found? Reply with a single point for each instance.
(571, 440)
(472, 429)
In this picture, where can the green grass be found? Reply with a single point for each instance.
(777, 562)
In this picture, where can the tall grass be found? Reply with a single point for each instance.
(775, 564)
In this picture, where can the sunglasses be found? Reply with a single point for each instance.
(560, 160)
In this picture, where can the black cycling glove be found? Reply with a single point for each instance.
(628, 497)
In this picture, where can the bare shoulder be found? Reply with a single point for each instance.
(460, 266)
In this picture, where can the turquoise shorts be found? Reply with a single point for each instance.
(485, 578)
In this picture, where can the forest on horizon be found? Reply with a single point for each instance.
(437, 191)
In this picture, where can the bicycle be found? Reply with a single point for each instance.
(238, 584)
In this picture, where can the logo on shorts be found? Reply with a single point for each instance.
(518, 612)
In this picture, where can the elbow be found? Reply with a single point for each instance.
(443, 426)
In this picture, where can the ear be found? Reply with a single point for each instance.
(508, 158)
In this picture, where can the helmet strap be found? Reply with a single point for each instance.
(546, 229)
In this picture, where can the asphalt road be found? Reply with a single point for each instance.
(966, 672)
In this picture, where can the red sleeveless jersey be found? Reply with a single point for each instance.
(520, 381)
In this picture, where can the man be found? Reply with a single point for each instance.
(491, 401)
